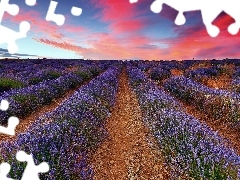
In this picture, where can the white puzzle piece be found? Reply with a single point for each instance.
(4, 105)
(30, 2)
(4, 170)
(209, 10)
(12, 124)
(75, 11)
(12, 121)
(31, 171)
(59, 19)
(8, 35)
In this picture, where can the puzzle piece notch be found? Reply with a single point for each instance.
(180, 19)
(4, 105)
(12, 121)
(59, 19)
(12, 9)
(11, 36)
(12, 124)
(4, 170)
(189, 5)
(31, 171)
(209, 10)
(30, 2)
(133, 1)
(75, 11)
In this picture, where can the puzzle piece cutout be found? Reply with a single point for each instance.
(12, 121)
(4, 170)
(12, 124)
(59, 19)
(209, 10)
(133, 1)
(11, 36)
(8, 35)
(30, 2)
(75, 11)
(31, 171)
(4, 105)
(51, 16)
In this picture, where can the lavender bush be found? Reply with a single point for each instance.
(64, 137)
(25, 100)
(191, 149)
(216, 103)
(158, 74)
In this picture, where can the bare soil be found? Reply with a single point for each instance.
(200, 65)
(126, 154)
(25, 123)
(176, 72)
(220, 82)
(227, 132)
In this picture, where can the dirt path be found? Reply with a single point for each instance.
(232, 135)
(224, 130)
(220, 82)
(126, 153)
(26, 122)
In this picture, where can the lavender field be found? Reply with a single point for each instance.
(123, 119)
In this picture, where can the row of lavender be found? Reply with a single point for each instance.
(65, 136)
(29, 72)
(20, 73)
(218, 104)
(214, 69)
(215, 72)
(26, 100)
(190, 148)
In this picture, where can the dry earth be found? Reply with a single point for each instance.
(232, 135)
(126, 154)
(220, 82)
(26, 122)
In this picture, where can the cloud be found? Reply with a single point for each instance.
(121, 16)
(192, 40)
(147, 46)
(4, 54)
(219, 51)
(61, 45)
(129, 35)
(105, 46)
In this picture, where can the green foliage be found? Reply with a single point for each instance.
(52, 75)
(94, 71)
(83, 74)
(7, 84)
(35, 80)
(26, 101)
(47, 76)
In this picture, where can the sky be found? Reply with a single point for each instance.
(117, 29)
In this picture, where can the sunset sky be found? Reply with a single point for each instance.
(116, 29)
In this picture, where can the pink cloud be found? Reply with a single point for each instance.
(195, 41)
(40, 26)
